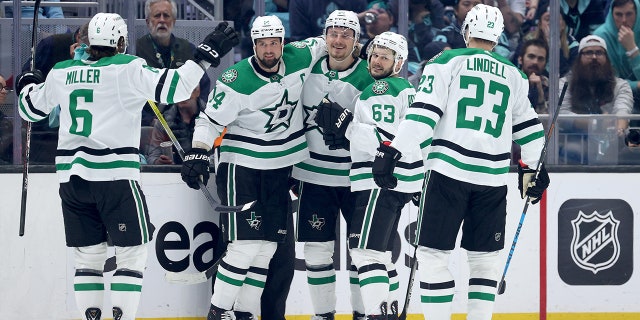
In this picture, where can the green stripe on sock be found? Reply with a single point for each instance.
(88, 286)
(324, 280)
(436, 299)
(126, 287)
(482, 296)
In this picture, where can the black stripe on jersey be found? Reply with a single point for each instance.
(257, 270)
(88, 273)
(526, 124)
(32, 108)
(128, 273)
(392, 273)
(323, 268)
(437, 286)
(388, 135)
(261, 142)
(328, 158)
(403, 165)
(470, 153)
(430, 107)
(211, 119)
(483, 282)
(97, 152)
(161, 84)
(372, 267)
(232, 269)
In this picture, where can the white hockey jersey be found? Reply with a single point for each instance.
(378, 113)
(472, 103)
(100, 111)
(329, 167)
(263, 116)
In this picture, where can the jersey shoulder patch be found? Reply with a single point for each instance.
(242, 78)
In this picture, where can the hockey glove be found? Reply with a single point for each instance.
(335, 142)
(415, 198)
(217, 44)
(195, 167)
(385, 161)
(333, 118)
(27, 78)
(533, 189)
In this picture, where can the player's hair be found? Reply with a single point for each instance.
(148, 3)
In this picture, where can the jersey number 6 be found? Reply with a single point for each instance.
(79, 115)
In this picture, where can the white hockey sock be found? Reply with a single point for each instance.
(248, 299)
(373, 278)
(321, 276)
(483, 270)
(354, 285)
(126, 284)
(394, 286)
(88, 283)
(436, 283)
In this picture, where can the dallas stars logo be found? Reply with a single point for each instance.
(280, 114)
(316, 223)
(310, 114)
(229, 76)
(254, 221)
(380, 87)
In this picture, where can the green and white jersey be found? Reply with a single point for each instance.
(100, 111)
(329, 167)
(472, 103)
(381, 108)
(263, 115)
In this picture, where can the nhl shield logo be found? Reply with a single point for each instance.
(595, 245)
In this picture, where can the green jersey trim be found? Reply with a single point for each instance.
(312, 168)
(98, 165)
(387, 86)
(529, 138)
(106, 61)
(263, 155)
(447, 55)
(247, 82)
(466, 166)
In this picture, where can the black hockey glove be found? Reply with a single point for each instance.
(533, 189)
(334, 142)
(195, 167)
(217, 44)
(333, 118)
(415, 198)
(28, 77)
(385, 161)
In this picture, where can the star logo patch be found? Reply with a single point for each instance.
(316, 223)
(255, 221)
(229, 76)
(280, 114)
(380, 87)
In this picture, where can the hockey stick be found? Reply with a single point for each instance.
(503, 284)
(203, 188)
(193, 278)
(27, 140)
(412, 276)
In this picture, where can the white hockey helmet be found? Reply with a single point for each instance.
(267, 27)
(395, 42)
(343, 18)
(106, 29)
(484, 22)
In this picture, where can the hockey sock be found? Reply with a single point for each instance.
(233, 271)
(321, 276)
(248, 299)
(436, 283)
(88, 283)
(126, 284)
(483, 271)
(394, 287)
(356, 296)
(373, 279)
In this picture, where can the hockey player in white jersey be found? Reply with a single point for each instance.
(258, 101)
(97, 160)
(323, 188)
(472, 103)
(380, 109)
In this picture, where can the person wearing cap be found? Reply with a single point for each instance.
(621, 33)
(258, 101)
(469, 114)
(593, 89)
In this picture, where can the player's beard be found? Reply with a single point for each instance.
(269, 63)
(385, 73)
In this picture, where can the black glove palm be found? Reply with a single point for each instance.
(217, 44)
(533, 189)
(28, 77)
(335, 142)
(333, 118)
(386, 159)
(195, 166)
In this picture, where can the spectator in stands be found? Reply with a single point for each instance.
(594, 89)
(451, 33)
(533, 61)
(161, 49)
(430, 51)
(621, 32)
(630, 152)
(241, 13)
(6, 127)
(378, 18)
(181, 118)
(44, 12)
(583, 17)
(568, 44)
(307, 17)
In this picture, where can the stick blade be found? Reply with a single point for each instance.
(502, 286)
(185, 278)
